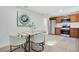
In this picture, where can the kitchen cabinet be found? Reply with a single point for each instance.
(58, 19)
(57, 31)
(74, 18)
(74, 32)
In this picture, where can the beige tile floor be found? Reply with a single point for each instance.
(55, 43)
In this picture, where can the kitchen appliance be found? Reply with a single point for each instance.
(65, 29)
(65, 20)
(65, 32)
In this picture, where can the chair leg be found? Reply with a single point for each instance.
(22, 45)
(11, 50)
(25, 45)
(40, 44)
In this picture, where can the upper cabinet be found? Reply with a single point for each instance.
(74, 18)
(58, 19)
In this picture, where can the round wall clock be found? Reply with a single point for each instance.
(24, 19)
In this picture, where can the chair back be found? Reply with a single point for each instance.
(14, 40)
(38, 38)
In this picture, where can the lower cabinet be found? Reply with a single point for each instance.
(74, 32)
(57, 31)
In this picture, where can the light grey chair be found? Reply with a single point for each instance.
(38, 39)
(16, 41)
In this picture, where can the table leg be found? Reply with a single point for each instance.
(29, 43)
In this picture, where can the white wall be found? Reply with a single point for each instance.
(8, 22)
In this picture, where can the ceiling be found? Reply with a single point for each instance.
(54, 10)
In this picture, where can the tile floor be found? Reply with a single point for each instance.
(55, 43)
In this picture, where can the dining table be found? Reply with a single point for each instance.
(30, 34)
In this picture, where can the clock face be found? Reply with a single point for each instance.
(24, 19)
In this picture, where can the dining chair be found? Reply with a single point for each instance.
(38, 39)
(17, 41)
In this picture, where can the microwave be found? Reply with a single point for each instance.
(65, 20)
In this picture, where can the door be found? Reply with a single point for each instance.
(74, 18)
(74, 32)
(59, 19)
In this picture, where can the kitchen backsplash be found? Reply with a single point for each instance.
(72, 25)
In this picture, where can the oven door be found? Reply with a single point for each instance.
(64, 31)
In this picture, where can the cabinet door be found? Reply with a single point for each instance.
(73, 18)
(58, 31)
(58, 19)
(74, 32)
(77, 17)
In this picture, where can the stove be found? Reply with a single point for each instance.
(65, 29)
(65, 32)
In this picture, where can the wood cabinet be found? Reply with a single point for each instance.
(74, 32)
(74, 18)
(58, 19)
(57, 31)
